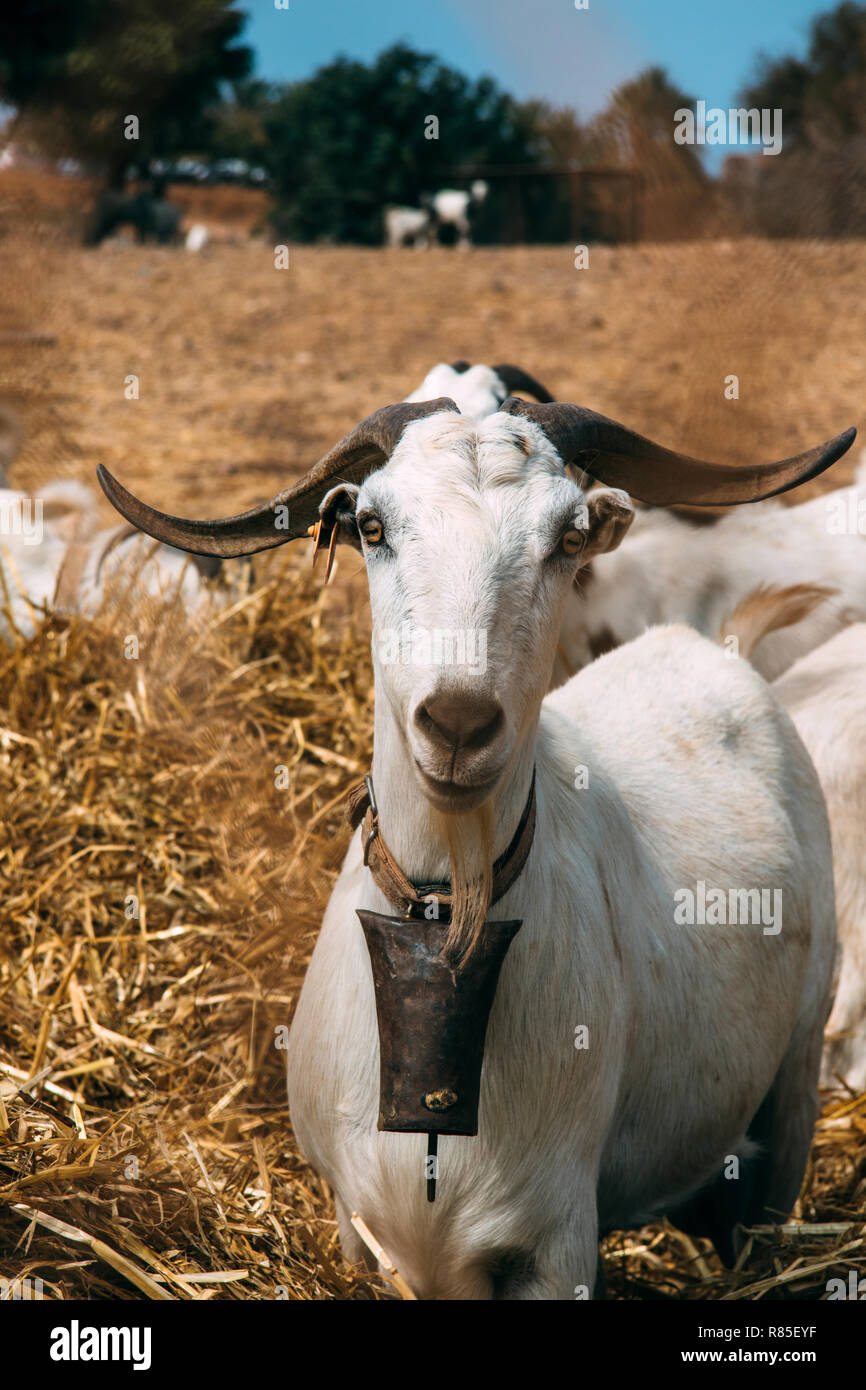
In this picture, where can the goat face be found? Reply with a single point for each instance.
(472, 536)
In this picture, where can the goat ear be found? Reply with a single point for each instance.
(337, 509)
(610, 515)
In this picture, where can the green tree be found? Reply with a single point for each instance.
(636, 130)
(238, 124)
(560, 138)
(823, 97)
(76, 69)
(355, 137)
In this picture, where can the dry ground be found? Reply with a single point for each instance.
(152, 1039)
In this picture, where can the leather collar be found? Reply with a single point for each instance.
(414, 900)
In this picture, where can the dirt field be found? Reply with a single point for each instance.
(247, 374)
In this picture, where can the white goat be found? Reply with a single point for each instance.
(450, 207)
(672, 570)
(825, 694)
(407, 226)
(53, 556)
(197, 237)
(35, 536)
(700, 1039)
(477, 390)
(116, 559)
(454, 207)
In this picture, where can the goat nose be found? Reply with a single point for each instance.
(460, 719)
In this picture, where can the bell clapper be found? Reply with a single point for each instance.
(432, 1165)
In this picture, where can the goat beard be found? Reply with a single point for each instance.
(468, 837)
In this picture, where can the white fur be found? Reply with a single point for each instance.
(197, 237)
(407, 224)
(452, 207)
(30, 571)
(477, 392)
(825, 694)
(694, 773)
(672, 571)
(157, 570)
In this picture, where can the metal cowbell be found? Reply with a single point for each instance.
(432, 1016)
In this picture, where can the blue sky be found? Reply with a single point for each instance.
(543, 48)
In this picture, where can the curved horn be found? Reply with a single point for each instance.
(516, 379)
(363, 449)
(618, 456)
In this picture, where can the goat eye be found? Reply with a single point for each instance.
(371, 530)
(573, 542)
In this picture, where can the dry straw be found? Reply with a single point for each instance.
(161, 894)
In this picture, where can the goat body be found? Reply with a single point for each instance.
(452, 208)
(825, 694)
(659, 1016)
(456, 208)
(52, 555)
(477, 391)
(662, 767)
(405, 226)
(670, 570)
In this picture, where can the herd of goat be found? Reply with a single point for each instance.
(681, 697)
(450, 214)
(55, 554)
